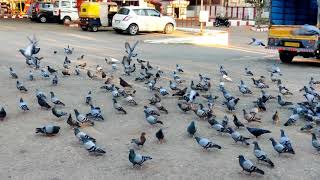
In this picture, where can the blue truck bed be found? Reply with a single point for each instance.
(293, 12)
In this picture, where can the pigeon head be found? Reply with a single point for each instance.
(273, 141)
(52, 94)
(76, 131)
(21, 100)
(143, 134)
(76, 112)
(197, 138)
(241, 157)
(230, 130)
(282, 132)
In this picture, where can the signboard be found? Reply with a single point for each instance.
(204, 16)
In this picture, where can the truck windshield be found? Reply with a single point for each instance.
(56, 4)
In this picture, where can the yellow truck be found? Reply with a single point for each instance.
(293, 29)
(94, 15)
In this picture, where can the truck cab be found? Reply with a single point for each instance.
(66, 10)
(293, 29)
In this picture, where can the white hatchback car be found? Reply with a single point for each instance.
(134, 19)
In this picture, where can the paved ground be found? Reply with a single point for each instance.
(27, 156)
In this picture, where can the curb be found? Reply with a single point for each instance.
(261, 29)
(13, 17)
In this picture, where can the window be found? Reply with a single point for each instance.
(65, 4)
(56, 4)
(124, 11)
(152, 12)
(140, 12)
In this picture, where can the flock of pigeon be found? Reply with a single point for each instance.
(190, 99)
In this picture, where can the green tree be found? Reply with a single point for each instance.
(259, 5)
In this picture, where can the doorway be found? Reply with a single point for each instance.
(176, 13)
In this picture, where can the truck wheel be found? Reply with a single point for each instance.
(133, 29)
(94, 28)
(286, 56)
(42, 19)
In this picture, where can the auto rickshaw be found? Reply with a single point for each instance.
(94, 15)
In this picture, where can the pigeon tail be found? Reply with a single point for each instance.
(257, 170)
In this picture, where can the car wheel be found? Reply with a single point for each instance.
(118, 31)
(66, 20)
(286, 56)
(168, 29)
(42, 19)
(133, 29)
(94, 28)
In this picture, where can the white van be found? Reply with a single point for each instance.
(66, 10)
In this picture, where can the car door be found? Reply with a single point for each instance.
(141, 19)
(154, 20)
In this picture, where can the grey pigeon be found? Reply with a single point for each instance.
(55, 80)
(237, 122)
(191, 129)
(179, 68)
(88, 98)
(57, 113)
(279, 147)
(284, 140)
(55, 100)
(95, 113)
(256, 42)
(248, 166)
(82, 119)
(261, 155)
(79, 134)
(257, 131)
(206, 143)
(136, 158)
(248, 72)
(244, 89)
(91, 147)
(21, 87)
(3, 114)
(30, 76)
(236, 136)
(23, 105)
(13, 73)
(151, 119)
(48, 130)
(43, 103)
(315, 142)
(118, 107)
(292, 119)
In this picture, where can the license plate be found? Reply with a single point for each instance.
(291, 44)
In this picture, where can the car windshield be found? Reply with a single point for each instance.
(124, 11)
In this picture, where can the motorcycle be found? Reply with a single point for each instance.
(221, 21)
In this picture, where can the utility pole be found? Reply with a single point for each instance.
(201, 23)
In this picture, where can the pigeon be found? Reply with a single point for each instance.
(276, 69)
(51, 70)
(285, 141)
(244, 89)
(275, 118)
(163, 91)
(81, 57)
(88, 98)
(23, 105)
(13, 73)
(151, 119)
(71, 122)
(307, 127)
(236, 136)
(131, 101)
(65, 72)
(118, 106)
(206, 143)
(185, 107)
(79, 134)
(82, 119)
(160, 135)
(57, 113)
(274, 77)
(279, 147)
(223, 71)
(265, 96)
(55, 80)
(115, 93)
(30, 76)
(155, 99)
(40, 94)
(179, 69)
(44, 73)
(173, 86)
(256, 42)
(124, 84)
(248, 72)
(95, 113)
(140, 61)
(225, 78)
(248, 166)
(261, 155)
(284, 91)
(21, 87)
(48, 130)
(77, 70)
(161, 108)
(103, 75)
(136, 158)
(250, 117)
(68, 50)
(99, 68)
(217, 126)
(3, 114)
(151, 111)
(292, 119)
(55, 100)
(313, 82)
(315, 142)
(180, 92)
(231, 104)
(43, 103)
(257, 131)
(91, 147)
(237, 122)
(191, 129)
(91, 75)
(149, 66)
(140, 141)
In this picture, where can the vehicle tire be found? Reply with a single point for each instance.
(286, 56)
(168, 29)
(33, 19)
(94, 28)
(118, 31)
(66, 20)
(216, 24)
(84, 28)
(133, 29)
(42, 19)
(229, 24)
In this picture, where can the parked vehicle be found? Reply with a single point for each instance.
(42, 12)
(288, 32)
(65, 10)
(134, 19)
(221, 21)
(94, 15)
